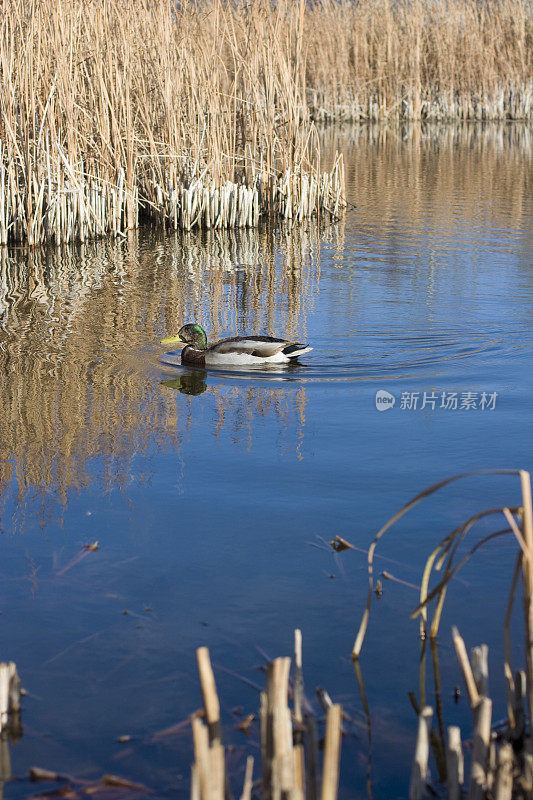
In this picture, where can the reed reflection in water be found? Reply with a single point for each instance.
(473, 171)
(78, 340)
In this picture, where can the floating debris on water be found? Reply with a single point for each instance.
(339, 544)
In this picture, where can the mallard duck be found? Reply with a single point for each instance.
(239, 350)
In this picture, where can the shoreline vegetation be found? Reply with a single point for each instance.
(289, 744)
(204, 114)
(181, 114)
(501, 760)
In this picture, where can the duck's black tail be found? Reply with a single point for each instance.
(296, 350)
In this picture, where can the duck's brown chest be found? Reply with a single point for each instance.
(190, 355)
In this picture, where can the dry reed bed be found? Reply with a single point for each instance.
(200, 114)
(412, 59)
(500, 763)
(499, 766)
(193, 115)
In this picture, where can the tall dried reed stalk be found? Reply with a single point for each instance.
(193, 114)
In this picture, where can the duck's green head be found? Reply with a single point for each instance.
(190, 334)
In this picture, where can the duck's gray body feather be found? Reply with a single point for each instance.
(259, 346)
(246, 350)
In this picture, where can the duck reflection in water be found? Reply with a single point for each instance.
(193, 382)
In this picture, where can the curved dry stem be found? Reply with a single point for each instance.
(424, 586)
(399, 514)
(455, 538)
(444, 582)
(437, 615)
(445, 545)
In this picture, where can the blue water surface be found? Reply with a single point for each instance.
(213, 495)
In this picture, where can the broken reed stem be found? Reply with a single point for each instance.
(298, 685)
(282, 750)
(266, 746)
(454, 763)
(503, 789)
(417, 785)
(527, 578)
(479, 658)
(209, 764)
(209, 693)
(248, 782)
(10, 690)
(468, 675)
(332, 749)
(298, 693)
(209, 772)
(527, 582)
(480, 752)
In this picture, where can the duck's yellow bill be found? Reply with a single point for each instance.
(172, 339)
